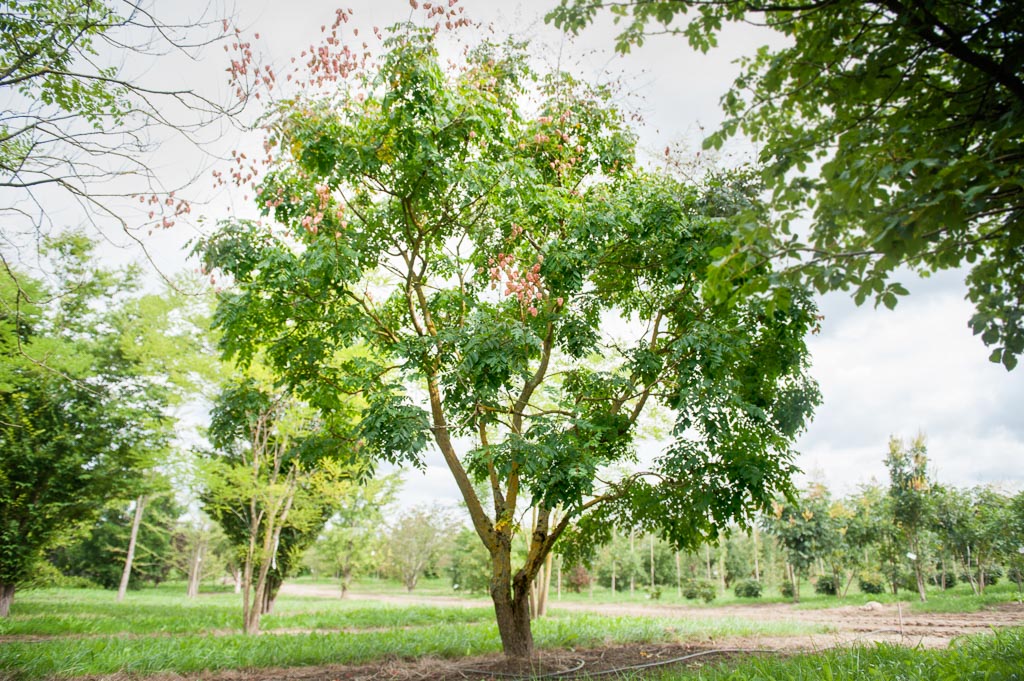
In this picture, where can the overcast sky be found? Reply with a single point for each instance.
(881, 372)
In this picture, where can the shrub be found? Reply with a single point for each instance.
(654, 593)
(699, 588)
(748, 588)
(786, 589)
(871, 583)
(937, 580)
(578, 578)
(827, 584)
(47, 576)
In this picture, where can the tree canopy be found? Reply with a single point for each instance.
(75, 431)
(896, 126)
(524, 293)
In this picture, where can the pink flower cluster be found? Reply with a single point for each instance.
(525, 285)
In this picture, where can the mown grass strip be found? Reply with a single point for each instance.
(993, 657)
(80, 612)
(184, 654)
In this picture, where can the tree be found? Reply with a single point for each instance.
(81, 117)
(100, 554)
(272, 483)
(896, 125)
(471, 563)
(417, 541)
(348, 546)
(806, 530)
(72, 432)
(483, 254)
(911, 507)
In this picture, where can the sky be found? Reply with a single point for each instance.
(882, 373)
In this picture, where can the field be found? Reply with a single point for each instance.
(433, 633)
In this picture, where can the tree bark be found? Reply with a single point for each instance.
(512, 611)
(6, 598)
(194, 570)
(127, 572)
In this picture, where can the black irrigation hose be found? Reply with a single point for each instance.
(647, 665)
(618, 670)
(506, 675)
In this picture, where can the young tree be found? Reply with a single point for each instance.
(99, 555)
(911, 507)
(516, 273)
(417, 540)
(348, 546)
(806, 530)
(273, 482)
(896, 124)
(73, 432)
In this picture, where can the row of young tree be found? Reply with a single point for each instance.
(872, 538)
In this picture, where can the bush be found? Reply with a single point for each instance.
(655, 593)
(579, 578)
(1016, 575)
(47, 576)
(786, 589)
(748, 588)
(936, 580)
(827, 585)
(871, 583)
(699, 588)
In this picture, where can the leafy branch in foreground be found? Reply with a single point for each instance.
(897, 126)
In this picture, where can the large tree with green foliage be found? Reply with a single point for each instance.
(73, 432)
(897, 126)
(525, 294)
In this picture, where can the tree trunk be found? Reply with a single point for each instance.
(195, 570)
(511, 604)
(270, 592)
(652, 563)
(513, 616)
(679, 576)
(633, 561)
(757, 564)
(127, 572)
(6, 598)
(560, 580)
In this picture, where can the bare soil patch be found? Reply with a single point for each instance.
(557, 664)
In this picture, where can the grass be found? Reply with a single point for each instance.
(994, 657)
(159, 630)
(56, 612)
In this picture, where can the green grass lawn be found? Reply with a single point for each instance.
(84, 631)
(993, 657)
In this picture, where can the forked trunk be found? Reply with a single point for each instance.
(511, 604)
(6, 598)
(512, 611)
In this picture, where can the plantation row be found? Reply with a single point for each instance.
(856, 542)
